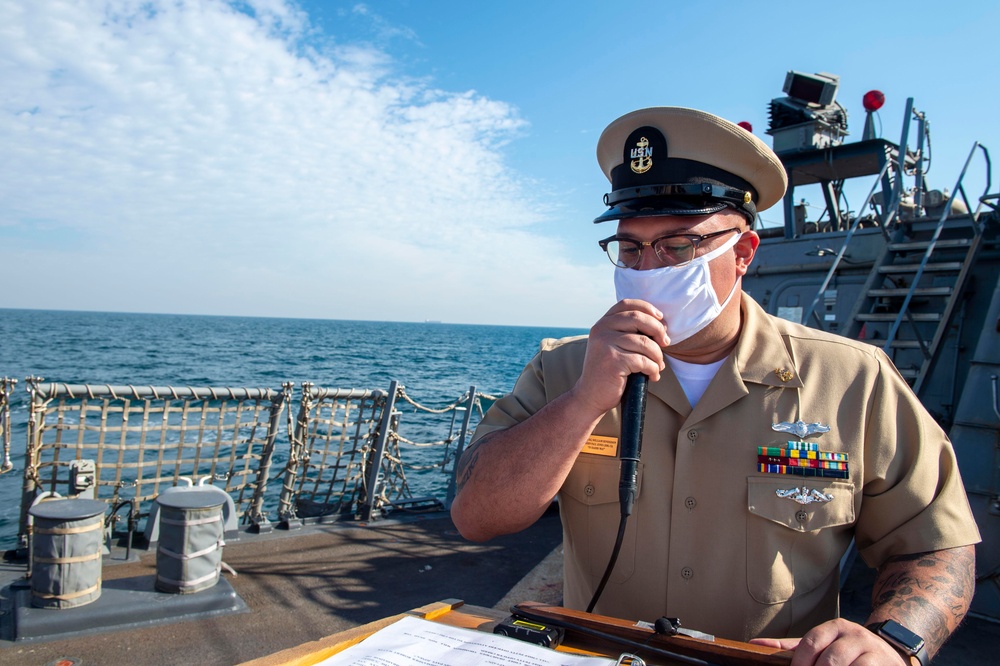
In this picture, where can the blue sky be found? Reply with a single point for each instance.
(402, 160)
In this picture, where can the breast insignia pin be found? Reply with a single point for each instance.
(803, 495)
(801, 428)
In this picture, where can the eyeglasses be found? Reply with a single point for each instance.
(672, 250)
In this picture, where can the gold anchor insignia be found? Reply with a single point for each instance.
(746, 197)
(784, 375)
(644, 154)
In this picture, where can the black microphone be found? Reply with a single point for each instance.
(632, 415)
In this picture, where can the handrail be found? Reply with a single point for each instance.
(7, 385)
(460, 447)
(373, 474)
(843, 249)
(53, 389)
(897, 187)
(891, 203)
(891, 336)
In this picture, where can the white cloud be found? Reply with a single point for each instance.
(185, 156)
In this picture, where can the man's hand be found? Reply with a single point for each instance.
(628, 339)
(928, 593)
(837, 643)
(508, 478)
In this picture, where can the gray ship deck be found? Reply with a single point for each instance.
(302, 586)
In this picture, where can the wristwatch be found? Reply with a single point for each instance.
(905, 641)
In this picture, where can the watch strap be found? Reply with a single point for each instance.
(918, 658)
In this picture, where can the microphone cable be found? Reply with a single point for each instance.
(632, 416)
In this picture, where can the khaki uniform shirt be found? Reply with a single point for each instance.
(709, 540)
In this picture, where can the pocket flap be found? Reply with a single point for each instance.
(594, 480)
(799, 503)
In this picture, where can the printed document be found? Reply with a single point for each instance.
(415, 642)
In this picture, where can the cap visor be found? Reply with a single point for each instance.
(675, 208)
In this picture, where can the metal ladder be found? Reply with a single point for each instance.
(919, 279)
(890, 176)
(923, 291)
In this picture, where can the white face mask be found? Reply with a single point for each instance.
(683, 294)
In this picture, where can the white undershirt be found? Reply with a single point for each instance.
(694, 377)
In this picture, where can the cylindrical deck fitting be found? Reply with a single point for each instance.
(189, 553)
(66, 552)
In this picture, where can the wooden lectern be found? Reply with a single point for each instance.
(586, 633)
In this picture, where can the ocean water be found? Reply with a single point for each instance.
(436, 362)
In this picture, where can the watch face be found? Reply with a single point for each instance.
(902, 636)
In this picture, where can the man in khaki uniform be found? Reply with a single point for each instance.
(767, 445)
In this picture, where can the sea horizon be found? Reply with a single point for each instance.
(290, 318)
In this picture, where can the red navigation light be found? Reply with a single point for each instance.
(745, 125)
(873, 100)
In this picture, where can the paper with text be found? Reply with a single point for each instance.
(415, 642)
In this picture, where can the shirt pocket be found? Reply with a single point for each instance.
(591, 513)
(792, 547)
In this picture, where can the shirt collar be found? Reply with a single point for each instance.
(761, 354)
(760, 357)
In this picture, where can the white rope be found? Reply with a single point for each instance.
(190, 556)
(191, 583)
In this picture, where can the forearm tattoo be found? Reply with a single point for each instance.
(467, 463)
(928, 592)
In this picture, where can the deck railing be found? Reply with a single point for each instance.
(331, 438)
(126, 444)
(340, 454)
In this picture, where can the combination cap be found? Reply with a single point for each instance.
(677, 161)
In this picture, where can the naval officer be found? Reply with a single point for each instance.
(768, 446)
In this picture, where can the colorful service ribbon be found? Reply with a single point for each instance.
(802, 459)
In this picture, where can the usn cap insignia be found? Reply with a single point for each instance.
(638, 151)
(642, 156)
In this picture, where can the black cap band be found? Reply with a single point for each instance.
(649, 208)
(684, 191)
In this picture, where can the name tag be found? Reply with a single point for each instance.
(601, 446)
